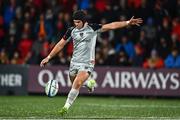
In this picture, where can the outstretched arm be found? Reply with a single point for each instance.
(121, 24)
(58, 47)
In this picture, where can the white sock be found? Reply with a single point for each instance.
(85, 83)
(71, 97)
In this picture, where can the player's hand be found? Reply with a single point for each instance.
(44, 62)
(136, 21)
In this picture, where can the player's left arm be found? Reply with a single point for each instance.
(121, 24)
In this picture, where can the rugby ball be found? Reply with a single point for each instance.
(51, 88)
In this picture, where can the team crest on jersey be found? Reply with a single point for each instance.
(81, 34)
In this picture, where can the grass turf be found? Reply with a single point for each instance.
(42, 107)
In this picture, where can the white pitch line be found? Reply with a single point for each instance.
(94, 118)
(133, 106)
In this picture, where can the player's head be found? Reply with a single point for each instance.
(79, 18)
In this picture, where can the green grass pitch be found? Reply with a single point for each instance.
(42, 107)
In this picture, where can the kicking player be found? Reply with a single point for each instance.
(82, 63)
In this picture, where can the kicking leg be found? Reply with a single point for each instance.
(81, 77)
(78, 82)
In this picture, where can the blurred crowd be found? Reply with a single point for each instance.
(29, 29)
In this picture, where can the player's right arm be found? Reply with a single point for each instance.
(58, 47)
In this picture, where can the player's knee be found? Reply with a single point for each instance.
(78, 84)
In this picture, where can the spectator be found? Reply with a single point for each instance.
(100, 5)
(16, 59)
(59, 27)
(12, 28)
(49, 23)
(21, 17)
(127, 45)
(37, 49)
(138, 58)
(30, 59)
(11, 46)
(150, 32)
(41, 27)
(174, 41)
(111, 56)
(176, 27)
(99, 58)
(122, 58)
(163, 48)
(164, 30)
(61, 59)
(9, 12)
(24, 46)
(159, 12)
(45, 49)
(154, 61)
(83, 4)
(3, 57)
(143, 41)
(27, 30)
(173, 59)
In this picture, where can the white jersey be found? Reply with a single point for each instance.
(84, 41)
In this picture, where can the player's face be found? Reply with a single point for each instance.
(78, 24)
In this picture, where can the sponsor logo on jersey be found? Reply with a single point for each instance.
(81, 34)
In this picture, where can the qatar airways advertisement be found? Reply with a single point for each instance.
(112, 81)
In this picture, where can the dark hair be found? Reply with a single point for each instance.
(79, 15)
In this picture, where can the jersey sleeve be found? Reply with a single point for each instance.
(95, 26)
(67, 35)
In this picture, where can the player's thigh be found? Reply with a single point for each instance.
(81, 77)
(84, 71)
(87, 68)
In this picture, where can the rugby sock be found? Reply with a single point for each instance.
(71, 97)
(85, 83)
